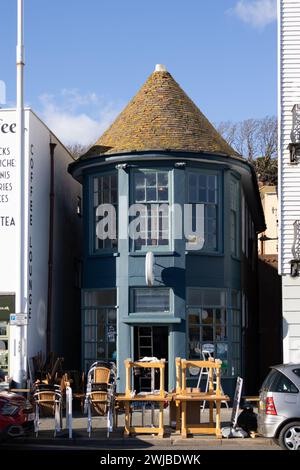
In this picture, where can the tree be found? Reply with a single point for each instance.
(256, 140)
(77, 149)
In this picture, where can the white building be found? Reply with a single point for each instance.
(289, 174)
(52, 245)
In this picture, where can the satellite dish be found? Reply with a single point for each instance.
(149, 261)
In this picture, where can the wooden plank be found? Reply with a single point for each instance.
(156, 398)
(145, 430)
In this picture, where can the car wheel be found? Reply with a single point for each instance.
(289, 436)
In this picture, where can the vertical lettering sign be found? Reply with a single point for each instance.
(8, 199)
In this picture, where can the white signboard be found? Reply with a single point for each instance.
(18, 319)
(236, 401)
(8, 200)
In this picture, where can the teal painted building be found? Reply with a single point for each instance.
(198, 210)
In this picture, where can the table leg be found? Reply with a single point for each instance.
(161, 420)
(178, 416)
(218, 420)
(211, 414)
(127, 419)
(183, 420)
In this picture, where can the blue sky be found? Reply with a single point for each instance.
(85, 59)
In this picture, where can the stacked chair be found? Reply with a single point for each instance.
(48, 397)
(100, 394)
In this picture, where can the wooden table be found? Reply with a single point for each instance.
(129, 429)
(211, 428)
(252, 399)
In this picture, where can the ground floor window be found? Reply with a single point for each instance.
(213, 318)
(99, 326)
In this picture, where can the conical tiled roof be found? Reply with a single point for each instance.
(161, 117)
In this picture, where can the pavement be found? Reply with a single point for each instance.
(116, 440)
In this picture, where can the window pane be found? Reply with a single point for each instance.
(235, 350)
(211, 297)
(207, 316)
(90, 317)
(90, 333)
(194, 318)
(151, 178)
(220, 316)
(222, 352)
(221, 332)
(235, 334)
(194, 296)
(194, 342)
(207, 333)
(162, 178)
(235, 317)
(90, 350)
(99, 298)
(163, 194)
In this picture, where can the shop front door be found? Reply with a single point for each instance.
(150, 341)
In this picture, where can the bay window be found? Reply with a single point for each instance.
(150, 195)
(213, 320)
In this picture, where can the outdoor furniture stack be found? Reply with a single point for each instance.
(160, 396)
(100, 393)
(213, 396)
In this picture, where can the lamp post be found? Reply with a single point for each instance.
(19, 363)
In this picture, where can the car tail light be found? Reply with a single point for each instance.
(270, 407)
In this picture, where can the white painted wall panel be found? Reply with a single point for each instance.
(289, 94)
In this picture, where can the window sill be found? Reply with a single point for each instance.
(205, 253)
(105, 254)
(150, 318)
(155, 253)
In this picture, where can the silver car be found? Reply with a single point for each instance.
(279, 406)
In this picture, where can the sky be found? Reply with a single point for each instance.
(85, 59)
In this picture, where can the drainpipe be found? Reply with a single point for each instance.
(50, 249)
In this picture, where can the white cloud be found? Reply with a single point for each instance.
(77, 118)
(257, 13)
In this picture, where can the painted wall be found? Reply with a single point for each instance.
(289, 175)
(269, 200)
(67, 226)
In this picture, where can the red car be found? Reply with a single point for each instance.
(16, 415)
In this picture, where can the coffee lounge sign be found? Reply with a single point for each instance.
(7, 172)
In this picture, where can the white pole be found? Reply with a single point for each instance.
(19, 359)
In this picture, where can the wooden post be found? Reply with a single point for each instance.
(183, 376)
(211, 379)
(218, 419)
(161, 420)
(178, 382)
(162, 378)
(183, 420)
(211, 414)
(218, 374)
(128, 378)
(127, 419)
